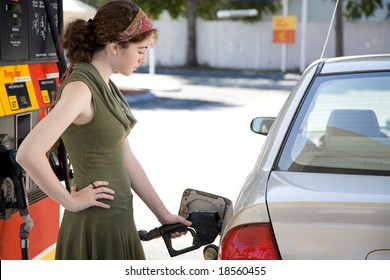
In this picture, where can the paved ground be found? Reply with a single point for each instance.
(193, 132)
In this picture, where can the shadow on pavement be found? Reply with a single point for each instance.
(231, 79)
(178, 104)
(237, 82)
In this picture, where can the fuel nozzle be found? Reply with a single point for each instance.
(206, 226)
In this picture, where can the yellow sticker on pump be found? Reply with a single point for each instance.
(45, 96)
(17, 93)
(13, 101)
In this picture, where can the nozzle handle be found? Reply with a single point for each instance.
(196, 244)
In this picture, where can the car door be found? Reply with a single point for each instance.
(328, 194)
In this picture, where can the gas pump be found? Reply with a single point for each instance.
(29, 76)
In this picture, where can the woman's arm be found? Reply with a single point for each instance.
(144, 189)
(31, 154)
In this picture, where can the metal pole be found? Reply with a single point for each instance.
(302, 56)
(152, 61)
(284, 45)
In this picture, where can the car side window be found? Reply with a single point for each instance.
(343, 126)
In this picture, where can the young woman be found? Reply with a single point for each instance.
(93, 119)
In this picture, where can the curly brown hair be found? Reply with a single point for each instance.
(84, 38)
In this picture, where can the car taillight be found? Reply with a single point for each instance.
(249, 242)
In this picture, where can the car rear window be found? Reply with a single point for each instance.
(343, 126)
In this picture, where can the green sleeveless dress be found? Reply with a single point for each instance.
(96, 153)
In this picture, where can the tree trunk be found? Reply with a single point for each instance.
(339, 30)
(191, 27)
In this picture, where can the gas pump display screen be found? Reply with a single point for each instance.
(14, 31)
(18, 96)
(25, 34)
(48, 88)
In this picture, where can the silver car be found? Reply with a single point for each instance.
(321, 186)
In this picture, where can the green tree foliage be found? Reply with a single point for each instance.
(363, 8)
(153, 8)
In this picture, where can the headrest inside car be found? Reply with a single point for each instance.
(351, 123)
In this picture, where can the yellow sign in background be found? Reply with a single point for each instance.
(284, 29)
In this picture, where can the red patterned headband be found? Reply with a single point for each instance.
(139, 25)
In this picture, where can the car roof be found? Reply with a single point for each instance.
(378, 62)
